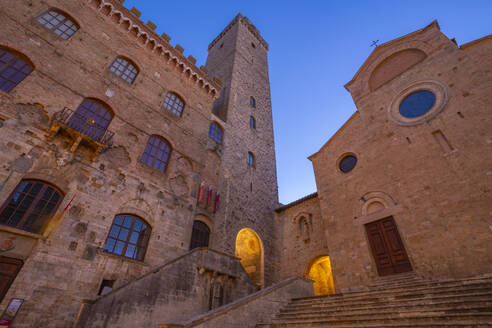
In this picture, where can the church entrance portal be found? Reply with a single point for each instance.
(387, 248)
(319, 270)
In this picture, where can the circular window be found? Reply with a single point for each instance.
(347, 163)
(417, 104)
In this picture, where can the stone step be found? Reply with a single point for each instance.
(390, 312)
(424, 289)
(407, 300)
(413, 305)
(484, 318)
(423, 284)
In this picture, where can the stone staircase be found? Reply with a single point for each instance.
(404, 300)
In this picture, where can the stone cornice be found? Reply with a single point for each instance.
(145, 35)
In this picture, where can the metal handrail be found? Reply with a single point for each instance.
(84, 125)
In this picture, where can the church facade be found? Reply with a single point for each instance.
(137, 188)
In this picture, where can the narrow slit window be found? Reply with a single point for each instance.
(443, 141)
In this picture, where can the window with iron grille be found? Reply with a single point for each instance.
(174, 104)
(59, 23)
(91, 118)
(128, 237)
(156, 153)
(252, 122)
(200, 235)
(215, 132)
(252, 102)
(251, 159)
(13, 69)
(30, 206)
(124, 69)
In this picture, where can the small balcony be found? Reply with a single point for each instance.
(81, 129)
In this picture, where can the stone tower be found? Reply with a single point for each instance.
(238, 57)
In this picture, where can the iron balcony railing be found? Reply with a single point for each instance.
(85, 125)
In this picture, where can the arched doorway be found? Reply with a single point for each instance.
(249, 249)
(319, 270)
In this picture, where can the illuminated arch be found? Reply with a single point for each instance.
(319, 270)
(249, 249)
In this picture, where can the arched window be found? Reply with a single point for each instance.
(215, 132)
(173, 103)
(200, 235)
(13, 69)
(156, 153)
(91, 118)
(124, 69)
(251, 159)
(59, 23)
(252, 122)
(30, 206)
(252, 102)
(128, 236)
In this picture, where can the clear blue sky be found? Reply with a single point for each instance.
(315, 48)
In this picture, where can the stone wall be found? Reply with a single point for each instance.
(432, 174)
(252, 309)
(172, 292)
(302, 236)
(69, 264)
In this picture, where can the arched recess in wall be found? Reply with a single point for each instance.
(395, 65)
(319, 270)
(249, 249)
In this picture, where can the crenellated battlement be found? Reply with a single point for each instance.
(144, 34)
(248, 24)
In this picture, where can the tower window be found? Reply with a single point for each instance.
(59, 23)
(252, 102)
(128, 237)
(124, 69)
(251, 159)
(215, 132)
(252, 122)
(253, 45)
(13, 69)
(200, 235)
(174, 104)
(30, 206)
(156, 153)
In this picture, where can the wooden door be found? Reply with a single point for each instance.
(9, 267)
(388, 251)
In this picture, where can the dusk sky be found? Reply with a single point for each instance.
(315, 49)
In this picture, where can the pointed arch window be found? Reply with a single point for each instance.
(129, 236)
(31, 205)
(215, 132)
(252, 122)
(200, 235)
(91, 118)
(13, 69)
(59, 23)
(174, 104)
(251, 159)
(157, 153)
(124, 69)
(252, 102)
